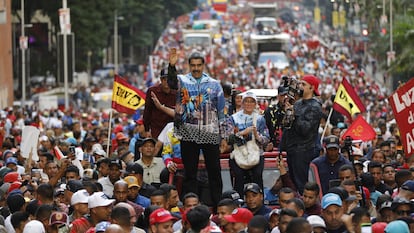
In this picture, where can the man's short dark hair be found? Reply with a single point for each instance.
(227, 202)
(44, 211)
(45, 190)
(358, 213)
(101, 161)
(18, 217)
(288, 212)
(190, 195)
(198, 217)
(298, 203)
(15, 202)
(401, 176)
(385, 143)
(167, 189)
(374, 164)
(259, 221)
(296, 225)
(196, 55)
(312, 186)
(286, 190)
(72, 168)
(159, 192)
(346, 167)
(121, 215)
(48, 155)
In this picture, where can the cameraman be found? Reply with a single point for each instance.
(300, 141)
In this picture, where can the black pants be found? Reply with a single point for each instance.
(190, 152)
(243, 176)
(298, 160)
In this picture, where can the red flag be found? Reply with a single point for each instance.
(125, 97)
(347, 101)
(58, 153)
(360, 130)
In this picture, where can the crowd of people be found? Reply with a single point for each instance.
(145, 175)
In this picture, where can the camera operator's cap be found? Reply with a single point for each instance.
(314, 81)
(408, 185)
(252, 187)
(249, 94)
(332, 141)
(241, 215)
(160, 216)
(331, 199)
(233, 195)
(282, 90)
(80, 196)
(316, 221)
(99, 199)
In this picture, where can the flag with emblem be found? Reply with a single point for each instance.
(58, 153)
(125, 97)
(360, 130)
(347, 102)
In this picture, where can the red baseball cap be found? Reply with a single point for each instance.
(314, 81)
(242, 215)
(11, 177)
(160, 216)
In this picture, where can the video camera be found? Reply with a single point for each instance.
(293, 90)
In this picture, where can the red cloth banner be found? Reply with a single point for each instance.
(402, 103)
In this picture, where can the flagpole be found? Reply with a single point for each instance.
(328, 121)
(109, 133)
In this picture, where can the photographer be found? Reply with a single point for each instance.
(300, 138)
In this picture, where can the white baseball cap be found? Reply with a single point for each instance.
(80, 196)
(316, 221)
(34, 226)
(99, 199)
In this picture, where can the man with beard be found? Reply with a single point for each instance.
(300, 139)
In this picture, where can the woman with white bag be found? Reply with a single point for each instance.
(250, 134)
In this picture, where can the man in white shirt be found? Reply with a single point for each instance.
(152, 165)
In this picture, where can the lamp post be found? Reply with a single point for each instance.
(116, 54)
(23, 46)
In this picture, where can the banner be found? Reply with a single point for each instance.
(125, 97)
(360, 130)
(30, 139)
(347, 101)
(402, 103)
